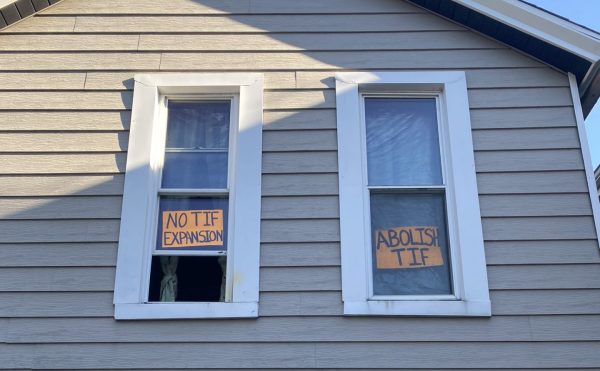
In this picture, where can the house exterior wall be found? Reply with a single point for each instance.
(65, 99)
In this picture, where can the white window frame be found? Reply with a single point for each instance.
(471, 294)
(142, 181)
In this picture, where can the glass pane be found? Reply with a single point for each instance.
(402, 141)
(198, 125)
(187, 278)
(197, 144)
(192, 223)
(409, 244)
(195, 170)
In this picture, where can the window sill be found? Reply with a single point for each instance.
(185, 310)
(455, 308)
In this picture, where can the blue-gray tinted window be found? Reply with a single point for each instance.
(409, 244)
(402, 141)
(197, 144)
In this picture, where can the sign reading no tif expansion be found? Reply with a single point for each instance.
(192, 229)
(408, 247)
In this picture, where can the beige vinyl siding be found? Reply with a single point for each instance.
(66, 80)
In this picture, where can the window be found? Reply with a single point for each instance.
(411, 232)
(190, 225)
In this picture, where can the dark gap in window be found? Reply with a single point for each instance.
(199, 279)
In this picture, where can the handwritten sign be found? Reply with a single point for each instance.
(192, 228)
(408, 247)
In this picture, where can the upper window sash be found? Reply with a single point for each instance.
(470, 278)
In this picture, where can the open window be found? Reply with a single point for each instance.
(190, 226)
(411, 233)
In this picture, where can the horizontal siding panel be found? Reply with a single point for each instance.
(77, 185)
(63, 142)
(327, 303)
(537, 302)
(62, 163)
(509, 277)
(299, 254)
(313, 355)
(73, 207)
(109, 80)
(487, 78)
(300, 329)
(535, 205)
(65, 121)
(516, 78)
(294, 207)
(533, 160)
(542, 252)
(57, 279)
(46, 231)
(540, 228)
(297, 162)
(292, 99)
(265, 23)
(521, 97)
(484, 78)
(544, 277)
(300, 279)
(324, 230)
(151, 6)
(58, 255)
(324, 60)
(545, 117)
(318, 41)
(124, 80)
(230, 7)
(308, 119)
(79, 61)
(538, 182)
(56, 304)
(42, 25)
(297, 184)
(300, 140)
(506, 139)
(65, 100)
(53, 42)
(41, 80)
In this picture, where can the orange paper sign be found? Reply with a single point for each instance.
(408, 247)
(192, 228)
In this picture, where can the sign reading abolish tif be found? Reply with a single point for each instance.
(192, 228)
(408, 247)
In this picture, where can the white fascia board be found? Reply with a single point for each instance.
(540, 24)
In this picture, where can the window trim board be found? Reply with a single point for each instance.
(141, 183)
(469, 256)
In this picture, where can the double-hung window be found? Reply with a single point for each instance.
(190, 226)
(411, 233)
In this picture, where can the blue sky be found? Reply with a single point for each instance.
(586, 13)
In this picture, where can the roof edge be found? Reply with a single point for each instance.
(543, 25)
(560, 32)
(13, 11)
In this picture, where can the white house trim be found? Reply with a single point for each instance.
(585, 152)
(145, 151)
(471, 296)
